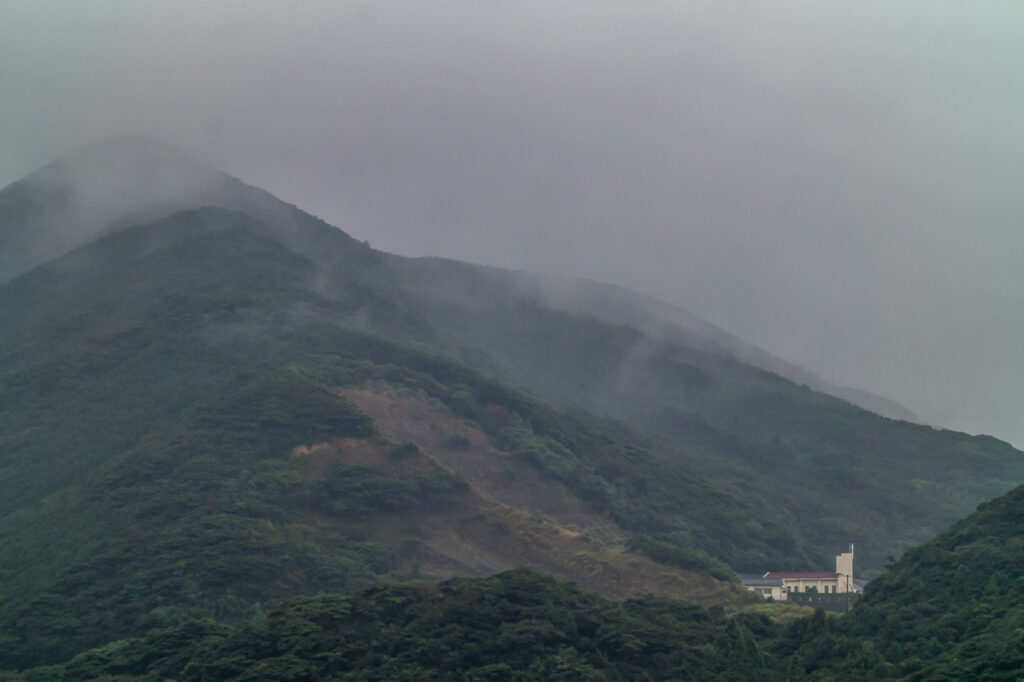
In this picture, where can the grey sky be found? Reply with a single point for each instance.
(840, 183)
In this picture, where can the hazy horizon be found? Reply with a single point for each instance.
(838, 184)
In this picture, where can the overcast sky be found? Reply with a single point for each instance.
(840, 183)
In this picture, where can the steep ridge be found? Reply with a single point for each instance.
(620, 307)
(132, 178)
(122, 182)
(76, 199)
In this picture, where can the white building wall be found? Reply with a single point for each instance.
(820, 584)
(844, 567)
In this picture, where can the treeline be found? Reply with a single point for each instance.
(952, 609)
(519, 625)
(523, 625)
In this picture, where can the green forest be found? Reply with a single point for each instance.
(950, 610)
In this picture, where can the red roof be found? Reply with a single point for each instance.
(812, 575)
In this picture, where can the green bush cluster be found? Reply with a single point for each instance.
(363, 491)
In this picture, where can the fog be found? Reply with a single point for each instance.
(838, 183)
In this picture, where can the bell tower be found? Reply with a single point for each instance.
(844, 567)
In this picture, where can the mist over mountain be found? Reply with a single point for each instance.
(72, 201)
(214, 400)
(137, 178)
(511, 341)
(835, 184)
(620, 306)
(114, 184)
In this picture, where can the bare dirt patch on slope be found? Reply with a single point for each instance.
(462, 448)
(513, 515)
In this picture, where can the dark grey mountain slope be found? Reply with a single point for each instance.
(192, 426)
(657, 319)
(123, 182)
(827, 468)
(133, 179)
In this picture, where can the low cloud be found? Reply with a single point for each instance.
(837, 183)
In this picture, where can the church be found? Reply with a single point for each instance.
(779, 585)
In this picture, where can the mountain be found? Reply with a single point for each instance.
(619, 306)
(811, 462)
(214, 402)
(131, 179)
(119, 183)
(74, 200)
(182, 436)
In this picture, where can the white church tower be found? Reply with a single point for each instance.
(844, 569)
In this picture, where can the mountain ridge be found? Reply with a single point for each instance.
(198, 416)
(679, 385)
(90, 186)
(150, 443)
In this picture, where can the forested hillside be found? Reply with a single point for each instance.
(820, 472)
(206, 410)
(952, 609)
(184, 449)
(518, 625)
(836, 470)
